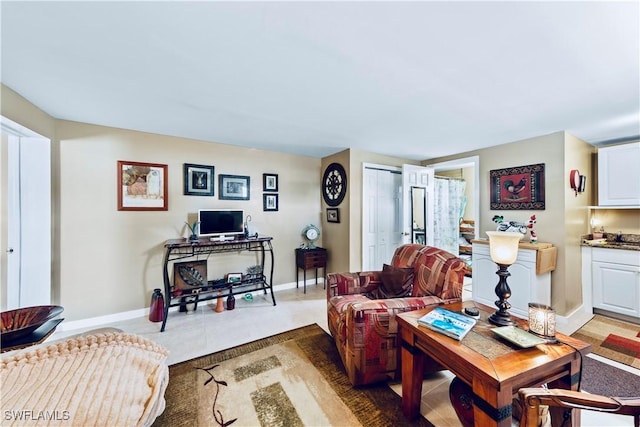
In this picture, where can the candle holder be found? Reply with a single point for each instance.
(542, 321)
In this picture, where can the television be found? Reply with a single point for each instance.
(221, 224)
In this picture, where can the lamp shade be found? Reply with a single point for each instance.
(503, 246)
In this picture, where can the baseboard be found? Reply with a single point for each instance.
(574, 321)
(100, 321)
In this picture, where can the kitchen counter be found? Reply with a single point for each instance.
(609, 241)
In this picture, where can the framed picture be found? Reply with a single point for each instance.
(188, 276)
(269, 202)
(142, 186)
(518, 188)
(333, 215)
(269, 182)
(233, 187)
(198, 180)
(234, 277)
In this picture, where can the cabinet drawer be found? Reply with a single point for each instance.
(318, 260)
(311, 259)
(616, 256)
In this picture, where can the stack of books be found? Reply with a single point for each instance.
(447, 322)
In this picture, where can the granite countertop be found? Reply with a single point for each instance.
(612, 241)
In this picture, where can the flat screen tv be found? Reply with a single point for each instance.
(221, 224)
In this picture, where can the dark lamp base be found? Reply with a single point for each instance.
(501, 319)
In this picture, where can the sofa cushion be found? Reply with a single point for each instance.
(396, 282)
(439, 273)
(425, 285)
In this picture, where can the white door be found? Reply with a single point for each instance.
(417, 181)
(27, 249)
(382, 216)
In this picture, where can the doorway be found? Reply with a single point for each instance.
(467, 168)
(373, 255)
(25, 231)
(470, 168)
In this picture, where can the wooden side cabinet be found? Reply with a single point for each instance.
(307, 258)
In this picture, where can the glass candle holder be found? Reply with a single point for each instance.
(542, 320)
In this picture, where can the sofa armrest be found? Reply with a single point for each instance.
(391, 306)
(360, 282)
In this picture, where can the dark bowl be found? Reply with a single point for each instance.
(20, 322)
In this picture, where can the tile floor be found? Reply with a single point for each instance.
(202, 332)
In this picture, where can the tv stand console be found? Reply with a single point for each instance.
(185, 250)
(222, 238)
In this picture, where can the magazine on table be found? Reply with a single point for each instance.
(447, 322)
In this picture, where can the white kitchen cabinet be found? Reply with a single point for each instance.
(616, 280)
(619, 175)
(525, 283)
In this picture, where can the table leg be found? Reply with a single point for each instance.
(412, 361)
(304, 284)
(491, 407)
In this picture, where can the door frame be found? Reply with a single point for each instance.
(26, 281)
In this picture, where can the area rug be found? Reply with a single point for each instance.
(613, 339)
(291, 379)
(607, 380)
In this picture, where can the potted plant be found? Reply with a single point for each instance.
(193, 227)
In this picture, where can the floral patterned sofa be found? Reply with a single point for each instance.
(364, 327)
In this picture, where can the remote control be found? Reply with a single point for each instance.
(472, 311)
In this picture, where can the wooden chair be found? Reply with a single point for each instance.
(533, 398)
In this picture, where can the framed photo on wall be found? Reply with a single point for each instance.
(198, 180)
(269, 202)
(233, 187)
(142, 186)
(517, 188)
(333, 215)
(269, 182)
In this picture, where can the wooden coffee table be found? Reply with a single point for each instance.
(492, 367)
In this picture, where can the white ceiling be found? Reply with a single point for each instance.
(412, 79)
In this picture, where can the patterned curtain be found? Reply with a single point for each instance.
(449, 209)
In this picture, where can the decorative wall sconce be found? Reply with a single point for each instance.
(503, 247)
(542, 321)
(577, 181)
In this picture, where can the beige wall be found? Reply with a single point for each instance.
(344, 240)
(107, 261)
(564, 215)
(336, 235)
(577, 155)
(110, 261)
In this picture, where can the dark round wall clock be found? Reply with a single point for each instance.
(334, 184)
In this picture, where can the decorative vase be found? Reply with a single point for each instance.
(220, 304)
(156, 310)
(231, 301)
